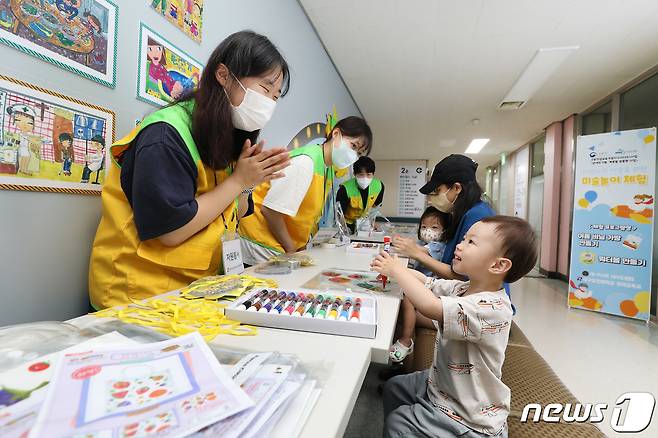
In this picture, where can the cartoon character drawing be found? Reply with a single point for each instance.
(462, 320)
(493, 304)
(580, 291)
(22, 118)
(66, 140)
(491, 410)
(461, 368)
(94, 160)
(171, 81)
(92, 24)
(68, 8)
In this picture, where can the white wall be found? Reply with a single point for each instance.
(46, 238)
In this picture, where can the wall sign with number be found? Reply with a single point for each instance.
(411, 203)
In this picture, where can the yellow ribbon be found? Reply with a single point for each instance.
(178, 316)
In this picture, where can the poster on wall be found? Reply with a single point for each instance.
(612, 242)
(77, 35)
(51, 142)
(187, 15)
(521, 182)
(411, 203)
(164, 71)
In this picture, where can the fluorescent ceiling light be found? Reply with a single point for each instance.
(476, 145)
(541, 67)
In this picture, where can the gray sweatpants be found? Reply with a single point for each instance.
(409, 413)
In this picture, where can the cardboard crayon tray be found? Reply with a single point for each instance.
(336, 318)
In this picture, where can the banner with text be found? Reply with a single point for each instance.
(612, 240)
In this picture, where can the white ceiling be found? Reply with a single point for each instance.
(421, 70)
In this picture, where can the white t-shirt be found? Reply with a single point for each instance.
(285, 196)
(465, 379)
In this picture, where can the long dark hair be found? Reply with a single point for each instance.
(470, 195)
(245, 54)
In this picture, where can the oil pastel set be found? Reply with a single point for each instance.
(347, 313)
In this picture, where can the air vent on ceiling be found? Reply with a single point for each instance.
(512, 105)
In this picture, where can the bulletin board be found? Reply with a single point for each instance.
(388, 171)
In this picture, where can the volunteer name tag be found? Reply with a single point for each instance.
(232, 257)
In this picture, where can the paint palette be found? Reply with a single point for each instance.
(348, 313)
(359, 281)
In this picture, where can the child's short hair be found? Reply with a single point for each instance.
(64, 136)
(444, 218)
(518, 243)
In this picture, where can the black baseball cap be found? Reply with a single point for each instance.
(453, 168)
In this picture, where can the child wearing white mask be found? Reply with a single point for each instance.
(358, 195)
(430, 233)
(287, 211)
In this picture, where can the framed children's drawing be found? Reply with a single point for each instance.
(187, 15)
(77, 35)
(164, 71)
(51, 142)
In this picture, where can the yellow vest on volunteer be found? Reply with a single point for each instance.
(355, 208)
(301, 226)
(123, 268)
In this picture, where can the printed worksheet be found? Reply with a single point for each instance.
(165, 389)
(23, 388)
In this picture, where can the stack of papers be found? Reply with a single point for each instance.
(110, 386)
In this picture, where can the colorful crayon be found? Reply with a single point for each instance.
(292, 304)
(282, 303)
(255, 307)
(322, 313)
(344, 313)
(356, 311)
(273, 302)
(310, 313)
(247, 304)
(299, 311)
(333, 312)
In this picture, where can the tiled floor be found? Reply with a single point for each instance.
(598, 357)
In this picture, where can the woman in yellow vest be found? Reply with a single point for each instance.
(287, 212)
(358, 195)
(177, 182)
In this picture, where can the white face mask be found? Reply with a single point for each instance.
(363, 181)
(343, 156)
(429, 235)
(254, 112)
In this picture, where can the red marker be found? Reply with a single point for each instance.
(387, 249)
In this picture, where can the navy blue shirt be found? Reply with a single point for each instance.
(158, 177)
(476, 213)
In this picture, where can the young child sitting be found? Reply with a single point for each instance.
(430, 231)
(462, 393)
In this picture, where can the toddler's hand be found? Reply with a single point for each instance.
(385, 264)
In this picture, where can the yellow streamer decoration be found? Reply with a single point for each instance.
(195, 310)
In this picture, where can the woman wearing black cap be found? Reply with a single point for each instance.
(452, 189)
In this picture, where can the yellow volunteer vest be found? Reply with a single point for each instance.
(355, 208)
(122, 267)
(302, 226)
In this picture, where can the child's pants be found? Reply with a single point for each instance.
(409, 413)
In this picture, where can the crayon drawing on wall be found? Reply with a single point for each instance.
(187, 15)
(165, 72)
(51, 142)
(78, 35)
